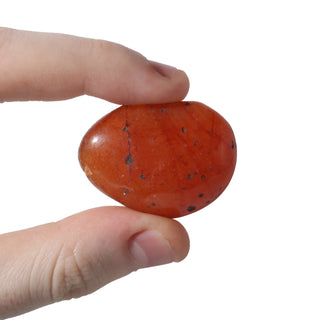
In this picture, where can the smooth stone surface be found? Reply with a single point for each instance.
(167, 159)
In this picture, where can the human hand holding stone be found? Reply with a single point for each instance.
(78, 255)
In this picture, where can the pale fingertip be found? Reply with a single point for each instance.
(150, 248)
(164, 69)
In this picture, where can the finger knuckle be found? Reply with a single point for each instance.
(70, 276)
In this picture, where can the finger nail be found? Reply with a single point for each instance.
(149, 248)
(164, 69)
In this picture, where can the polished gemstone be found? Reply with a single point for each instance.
(166, 159)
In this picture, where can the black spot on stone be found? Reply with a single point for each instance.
(183, 130)
(163, 110)
(153, 204)
(207, 202)
(125, 191)
(232, 145)
(201, 195)
(187, 104)
(203, 177)
(196, 142)
(189, 176)
(128, 160)
(125, 129)
(142, 176)
(191, 208)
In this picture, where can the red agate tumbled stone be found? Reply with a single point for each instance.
(166, 159)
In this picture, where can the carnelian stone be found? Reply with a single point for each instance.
(166, 159)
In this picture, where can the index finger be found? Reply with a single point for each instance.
(46, 66)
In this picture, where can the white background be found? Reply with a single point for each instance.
(255, 251)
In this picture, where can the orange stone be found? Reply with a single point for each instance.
(166, 159)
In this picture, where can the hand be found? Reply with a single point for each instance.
(80, 254)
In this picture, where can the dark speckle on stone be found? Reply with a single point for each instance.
(128, 160)
(189, 176)
(187, 104)
(163, 110)
(191, 208)
(208, 202)
(201, 195)
(153, 204)
(232, 145)
(183, 130)
(203, 177)
(125, 191)
(125, 129)
(142, 176)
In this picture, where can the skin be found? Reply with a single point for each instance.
(80, 254)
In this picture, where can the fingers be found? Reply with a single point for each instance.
(82, 253)
(43, 66)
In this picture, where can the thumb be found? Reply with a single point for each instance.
(82, 253)
(46, 66)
